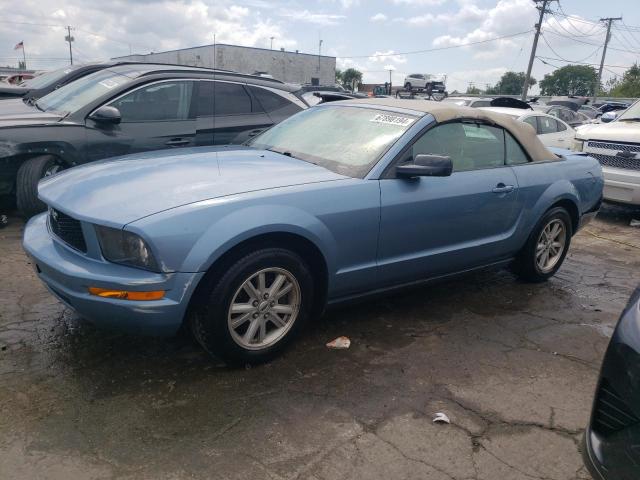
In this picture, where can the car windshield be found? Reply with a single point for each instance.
(48, 78)
(631, 114)
(77, 94)
(346, 140)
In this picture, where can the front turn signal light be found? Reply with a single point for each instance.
(126, 295)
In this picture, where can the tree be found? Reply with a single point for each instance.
(629, 86)
(510, 83)
(339, 75)
(473, 90)
(570, 80)
(351, 78)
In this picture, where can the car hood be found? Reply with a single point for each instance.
(15, 112)
(119, 191)
(612, 132)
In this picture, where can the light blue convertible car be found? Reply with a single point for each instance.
(346, 199)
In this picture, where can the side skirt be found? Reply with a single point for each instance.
(354, 298)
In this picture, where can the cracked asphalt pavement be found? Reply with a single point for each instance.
(513, 365)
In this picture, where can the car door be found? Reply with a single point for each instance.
(238, 116)
(154, 116)
(436, 225)
(552, 132)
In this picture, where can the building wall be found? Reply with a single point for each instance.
(286, 66)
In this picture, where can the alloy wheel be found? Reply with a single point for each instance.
(550, 245)
(264, 308)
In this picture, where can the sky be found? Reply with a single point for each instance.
(374, 36)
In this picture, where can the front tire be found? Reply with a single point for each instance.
(407, 86)
(546, 248)
(256, 308)
(29, 174)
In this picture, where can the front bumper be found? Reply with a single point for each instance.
(590, 456)
(621, 185)
(612, 439)
(68, 274)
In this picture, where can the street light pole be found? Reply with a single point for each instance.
(272, 42)
(527, 79)
(596, 86)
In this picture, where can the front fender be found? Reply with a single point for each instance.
(251, 221)
(192, 237)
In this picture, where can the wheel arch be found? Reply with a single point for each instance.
(572, 209)
(295, 242)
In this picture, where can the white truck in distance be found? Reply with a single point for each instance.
(616, 145)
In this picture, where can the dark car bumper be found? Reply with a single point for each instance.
(612, 439)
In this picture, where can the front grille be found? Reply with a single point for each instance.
(611, 413)
(67, 229)
(616, 162)
(607, 156)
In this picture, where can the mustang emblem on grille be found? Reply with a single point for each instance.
(625, 154)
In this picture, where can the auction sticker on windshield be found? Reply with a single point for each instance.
(392, 120)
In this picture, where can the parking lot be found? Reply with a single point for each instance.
(513, 365)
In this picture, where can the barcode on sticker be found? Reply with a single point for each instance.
(392, 120)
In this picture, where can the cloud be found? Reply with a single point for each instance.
(379, 17)
(388, 56)
(420, 3)
(325, 19)
(507, 17)
(108, 29)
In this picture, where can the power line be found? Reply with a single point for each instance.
(593, 44)
(564, 59)
(540, 57)
(555, 15)
(435, 49)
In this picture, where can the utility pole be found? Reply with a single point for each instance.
(319, 53)
(596, 86)
(272, 42)
(69, 39)
(527, 79)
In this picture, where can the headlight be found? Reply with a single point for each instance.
(577, 145)
(120, 246)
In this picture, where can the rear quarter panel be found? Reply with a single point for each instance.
(577, 178)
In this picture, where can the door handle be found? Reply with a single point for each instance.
(502, 188)
(177, 142)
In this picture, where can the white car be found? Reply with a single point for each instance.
(616, 145)
(474, 102)
(551, 131)
(420, 81)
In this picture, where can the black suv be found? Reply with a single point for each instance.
(39, 86)
(132, 108)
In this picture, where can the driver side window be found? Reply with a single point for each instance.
(163, 101)
(471, 146)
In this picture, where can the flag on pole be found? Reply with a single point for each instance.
(19, 46)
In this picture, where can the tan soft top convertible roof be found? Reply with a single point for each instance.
(444, 112)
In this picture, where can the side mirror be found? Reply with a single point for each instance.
(106, 115)
(608, 117)
(426, 166)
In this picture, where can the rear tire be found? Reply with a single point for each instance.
(546, 248)
(29, 174)
(219, 324)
